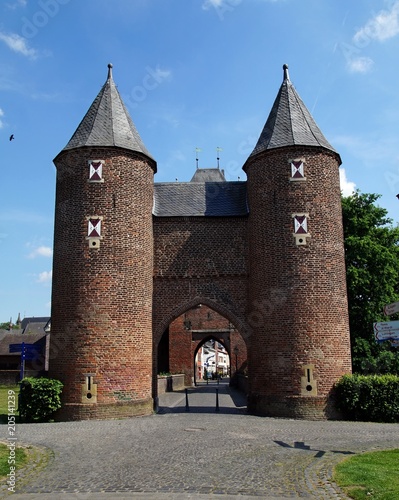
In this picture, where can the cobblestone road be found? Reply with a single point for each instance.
(197, 454)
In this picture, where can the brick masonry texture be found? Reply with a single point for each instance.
(309, 323)
(284, 304)
(102, 297)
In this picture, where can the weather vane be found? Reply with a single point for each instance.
(197, 150)
(218, 151)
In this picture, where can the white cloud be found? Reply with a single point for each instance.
(382, 26)
(16, 4)
(18, 44)
(1, 116)
(347, 187)
(41, 251)
(208, 4)
(160, 74)
(45, 277)
(360, 64)
(228, 4)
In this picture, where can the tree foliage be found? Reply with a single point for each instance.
(371, 398)
(39, 398)
(372, 268)
(6, 326)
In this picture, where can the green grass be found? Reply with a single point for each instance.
(4, 402)
(7, 459)
(372, 475)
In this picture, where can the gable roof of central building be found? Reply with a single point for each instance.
(207, 194)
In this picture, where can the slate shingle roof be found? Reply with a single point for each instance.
(289, 123)
(108, 123)
(208, 175)
(213, 199)
(34, 323)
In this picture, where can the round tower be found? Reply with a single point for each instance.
(101, 331)
(297, 308)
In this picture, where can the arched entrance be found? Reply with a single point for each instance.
(186, 336)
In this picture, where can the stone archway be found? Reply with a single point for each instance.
(189, 328)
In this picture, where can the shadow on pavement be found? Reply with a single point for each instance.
(204, 398)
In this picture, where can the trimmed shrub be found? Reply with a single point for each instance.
(39, 398)
(372, 398)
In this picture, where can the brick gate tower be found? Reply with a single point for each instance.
(131, 258)
(300, 343)
(103, 262)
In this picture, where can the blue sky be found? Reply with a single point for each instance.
(193, 74)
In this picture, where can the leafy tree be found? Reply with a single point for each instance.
(6, 326)
(372, 267)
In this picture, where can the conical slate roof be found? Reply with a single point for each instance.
(289, 123)
(108, 123)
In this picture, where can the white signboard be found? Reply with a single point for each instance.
(386, 331)
(391, 309)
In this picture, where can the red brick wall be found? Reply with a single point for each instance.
(195, 247)
(181, 356)
(199, 260)
(297, 301)
(102, 298)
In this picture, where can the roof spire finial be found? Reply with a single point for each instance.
(286, 74)
(109, 71)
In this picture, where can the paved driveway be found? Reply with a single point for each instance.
(197, 454)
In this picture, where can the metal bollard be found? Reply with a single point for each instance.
(217, 400)
(187, 407)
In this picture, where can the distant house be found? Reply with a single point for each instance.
(34, 331)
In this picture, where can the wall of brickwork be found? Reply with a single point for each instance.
(194, 247)
(102, 297)
(297, 304)
(199, 260)
(181, 356)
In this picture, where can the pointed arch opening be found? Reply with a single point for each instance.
(185, 336)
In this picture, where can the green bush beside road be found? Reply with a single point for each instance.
(372, 398)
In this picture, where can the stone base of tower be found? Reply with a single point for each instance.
(101, 411)
(298, 407)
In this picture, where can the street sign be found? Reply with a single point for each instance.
(28, 352)
(391, 309)
(22, 347)
(386, 331)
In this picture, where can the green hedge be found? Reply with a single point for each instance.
(39, 398)
(372, 398)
